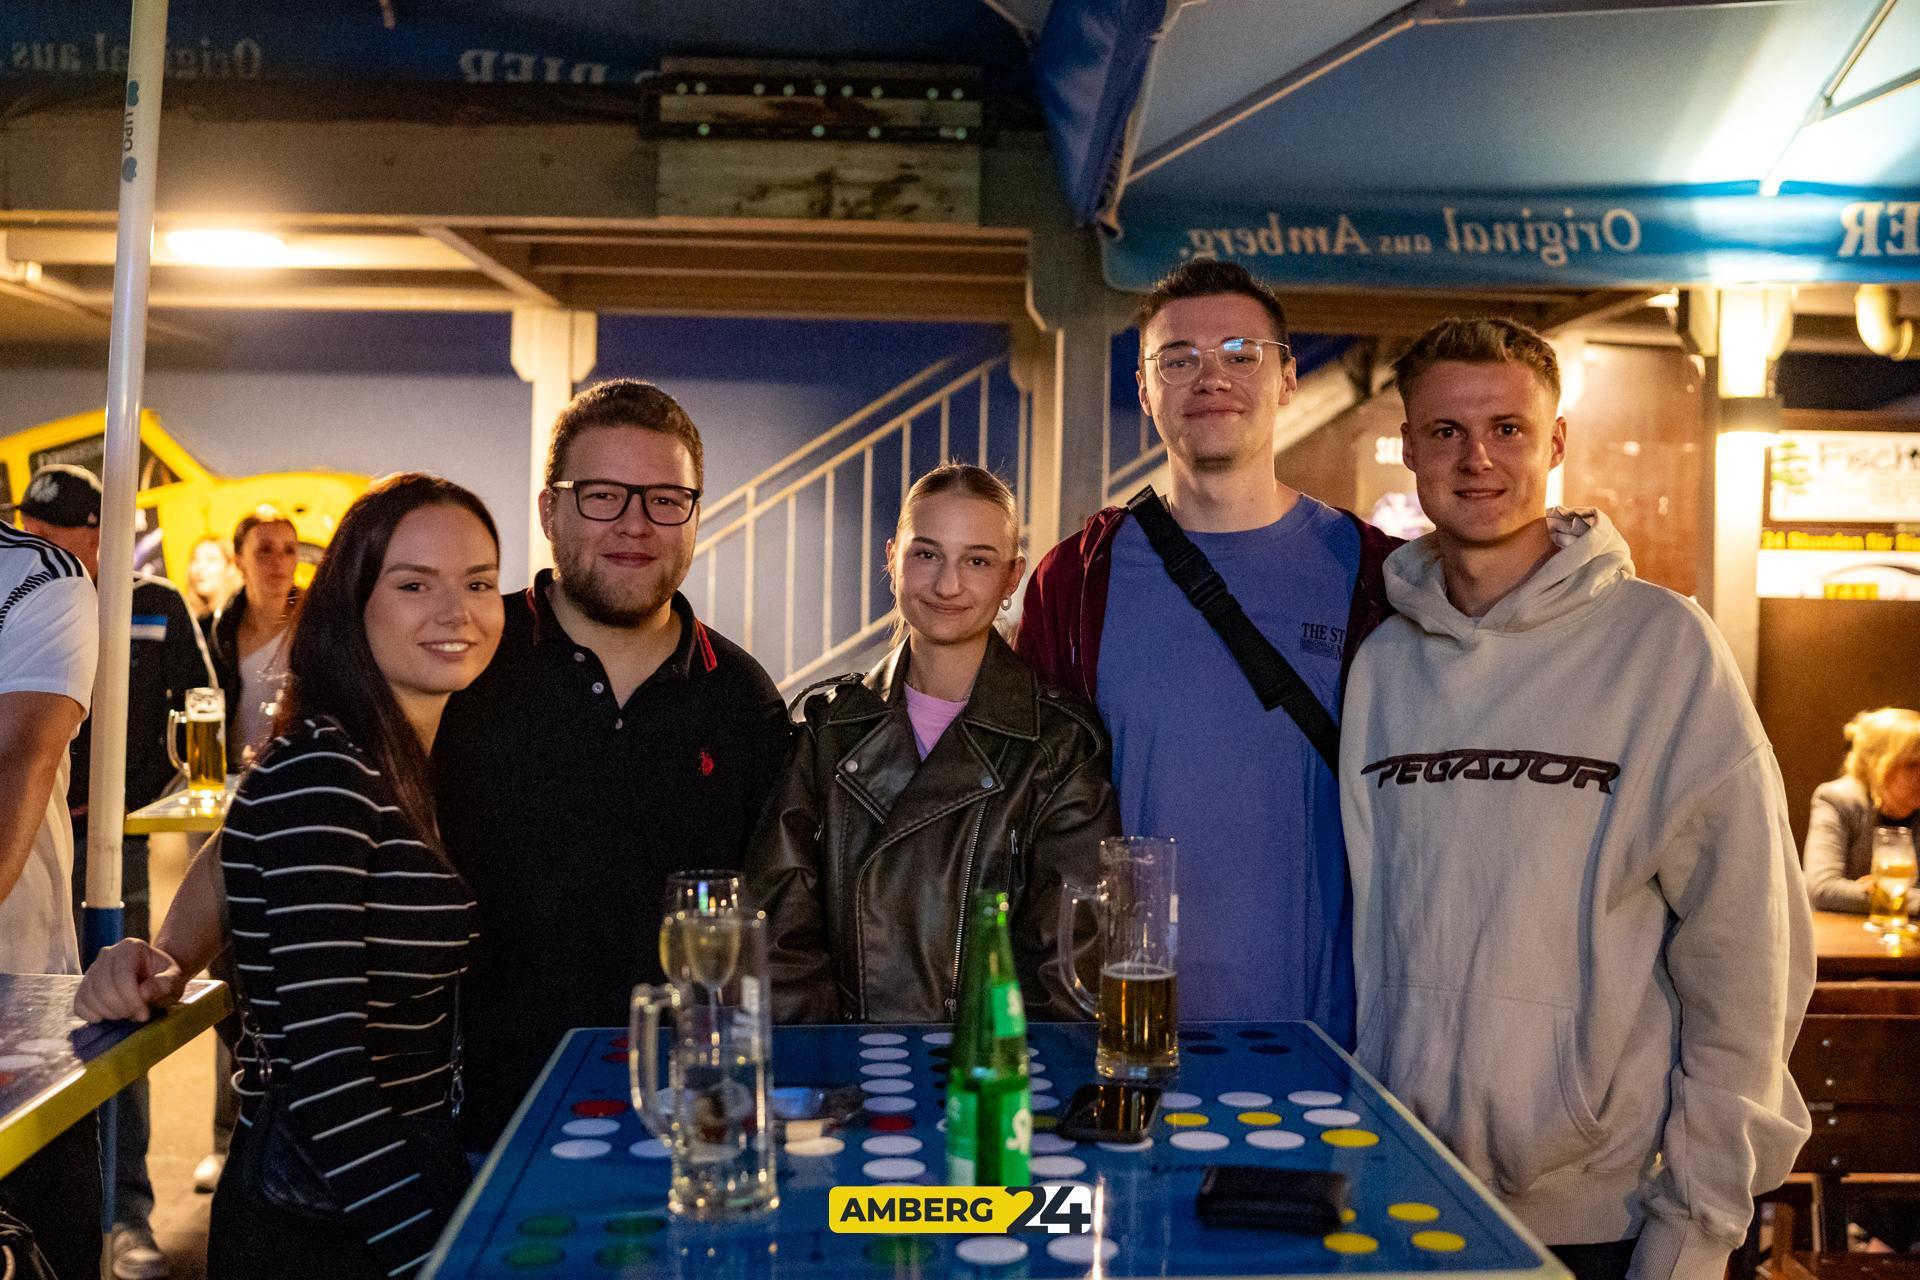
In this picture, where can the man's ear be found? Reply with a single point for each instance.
(1140, 388)
(545, 504)
(1559, 443)
(1406, 445)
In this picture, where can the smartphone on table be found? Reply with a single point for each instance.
(1110, 1113)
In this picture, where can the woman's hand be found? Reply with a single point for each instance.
(129, 980)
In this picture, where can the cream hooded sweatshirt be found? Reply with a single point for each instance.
(1581, 939)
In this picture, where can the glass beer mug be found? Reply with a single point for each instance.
(206, 762)
(1139, 913)
(1893, 876)
(715, 1115)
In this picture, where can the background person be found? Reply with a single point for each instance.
(212, 577)
(168, 658)
(867, 914)
(1878, 786)
(247, 635)
(350, 927)
(49, 645)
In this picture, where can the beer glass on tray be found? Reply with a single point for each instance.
(1138, 911)
(206, 759)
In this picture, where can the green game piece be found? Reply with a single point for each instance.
(635, 1224)
(900, 1251)
(548, 1224)
(529, 1256)
(617, 1257)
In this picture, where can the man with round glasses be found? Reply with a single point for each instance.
(1196, 754)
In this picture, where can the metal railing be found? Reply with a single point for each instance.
(777, 557)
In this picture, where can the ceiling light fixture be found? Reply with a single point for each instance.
(210, 247)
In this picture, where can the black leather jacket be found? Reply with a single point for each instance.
(868, 859)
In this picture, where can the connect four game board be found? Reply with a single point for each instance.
(577, 1187)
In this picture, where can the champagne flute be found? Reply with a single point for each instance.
(700, 892)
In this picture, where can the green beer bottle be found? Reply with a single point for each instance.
(989, 1120)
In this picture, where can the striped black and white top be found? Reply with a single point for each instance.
(348, 933)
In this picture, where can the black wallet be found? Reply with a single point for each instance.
(1307, 1201)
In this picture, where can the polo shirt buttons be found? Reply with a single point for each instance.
(619, 724)
(598, 687)
(986, 782)
(579, 656)
(853, 766)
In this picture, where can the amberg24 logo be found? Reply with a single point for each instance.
(1059, 1209)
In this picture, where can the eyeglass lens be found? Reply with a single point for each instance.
(1239, 357)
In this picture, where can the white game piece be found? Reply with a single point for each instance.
(1246, 1098)
(1274, 1139)
(1199, 1140)
(883, 1037)
(893, 1168)
(825, 1145)
(891, 1144)
(885, 1069)
(889, 1106)
(883, 1054)
(1051, 1144)
(581, 1148)
(1313, 1098)
(1079, 1250)
(991, 1251)
(1043, 1102)
(590, 1128)
(1145, 1144)
(937, 1037)
(1057, 1166)
(1178, 1101)
(1330, 1116)
(887, 1086)
(1039, 1084)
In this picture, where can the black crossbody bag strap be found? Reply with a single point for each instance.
(1273, 678)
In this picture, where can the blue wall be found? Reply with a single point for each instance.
(380, 393)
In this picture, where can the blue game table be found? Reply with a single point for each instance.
(576, 1187)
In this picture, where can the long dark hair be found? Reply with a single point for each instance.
(330, 665)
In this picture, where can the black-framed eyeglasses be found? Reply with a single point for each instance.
(1239, 358)
(606, 500)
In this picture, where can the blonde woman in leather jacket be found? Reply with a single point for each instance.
(945, 770)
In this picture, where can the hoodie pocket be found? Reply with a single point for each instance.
(1492, 1076)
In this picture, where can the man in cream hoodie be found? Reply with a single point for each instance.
(1581, 941)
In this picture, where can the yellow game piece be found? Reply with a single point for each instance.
(1438, 1241)
(1184, 1118)
(1350, 1242)
(1043, 1123)
(1412, 1211)
(1259, 1117)
(1348, 1137)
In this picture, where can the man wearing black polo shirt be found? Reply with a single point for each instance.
(613, 739)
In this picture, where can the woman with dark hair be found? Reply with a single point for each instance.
(349, 925)
(247, 634)
(948, 769)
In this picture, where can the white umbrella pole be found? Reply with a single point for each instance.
(126, 366)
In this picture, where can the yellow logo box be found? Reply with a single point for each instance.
(958, 1210)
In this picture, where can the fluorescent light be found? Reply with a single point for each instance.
(211, 247)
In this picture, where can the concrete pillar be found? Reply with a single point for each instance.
(552, 350)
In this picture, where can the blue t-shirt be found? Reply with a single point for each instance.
(1265, 922)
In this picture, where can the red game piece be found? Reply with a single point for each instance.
(599, 1108)
(621, 1043)
(613, 1057)
(889, 1124)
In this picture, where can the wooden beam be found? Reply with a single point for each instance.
(1595, 308)
(506, 264)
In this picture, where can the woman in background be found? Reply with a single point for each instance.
(349, 926)
(212, 577)
(1878, 786)
(947, 770)
(247, 636)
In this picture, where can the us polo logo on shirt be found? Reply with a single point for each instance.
(706, 763)
(1486, 764)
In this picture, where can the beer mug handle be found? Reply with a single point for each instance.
(1071, 896)
(643, 1054)
(174, 720)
